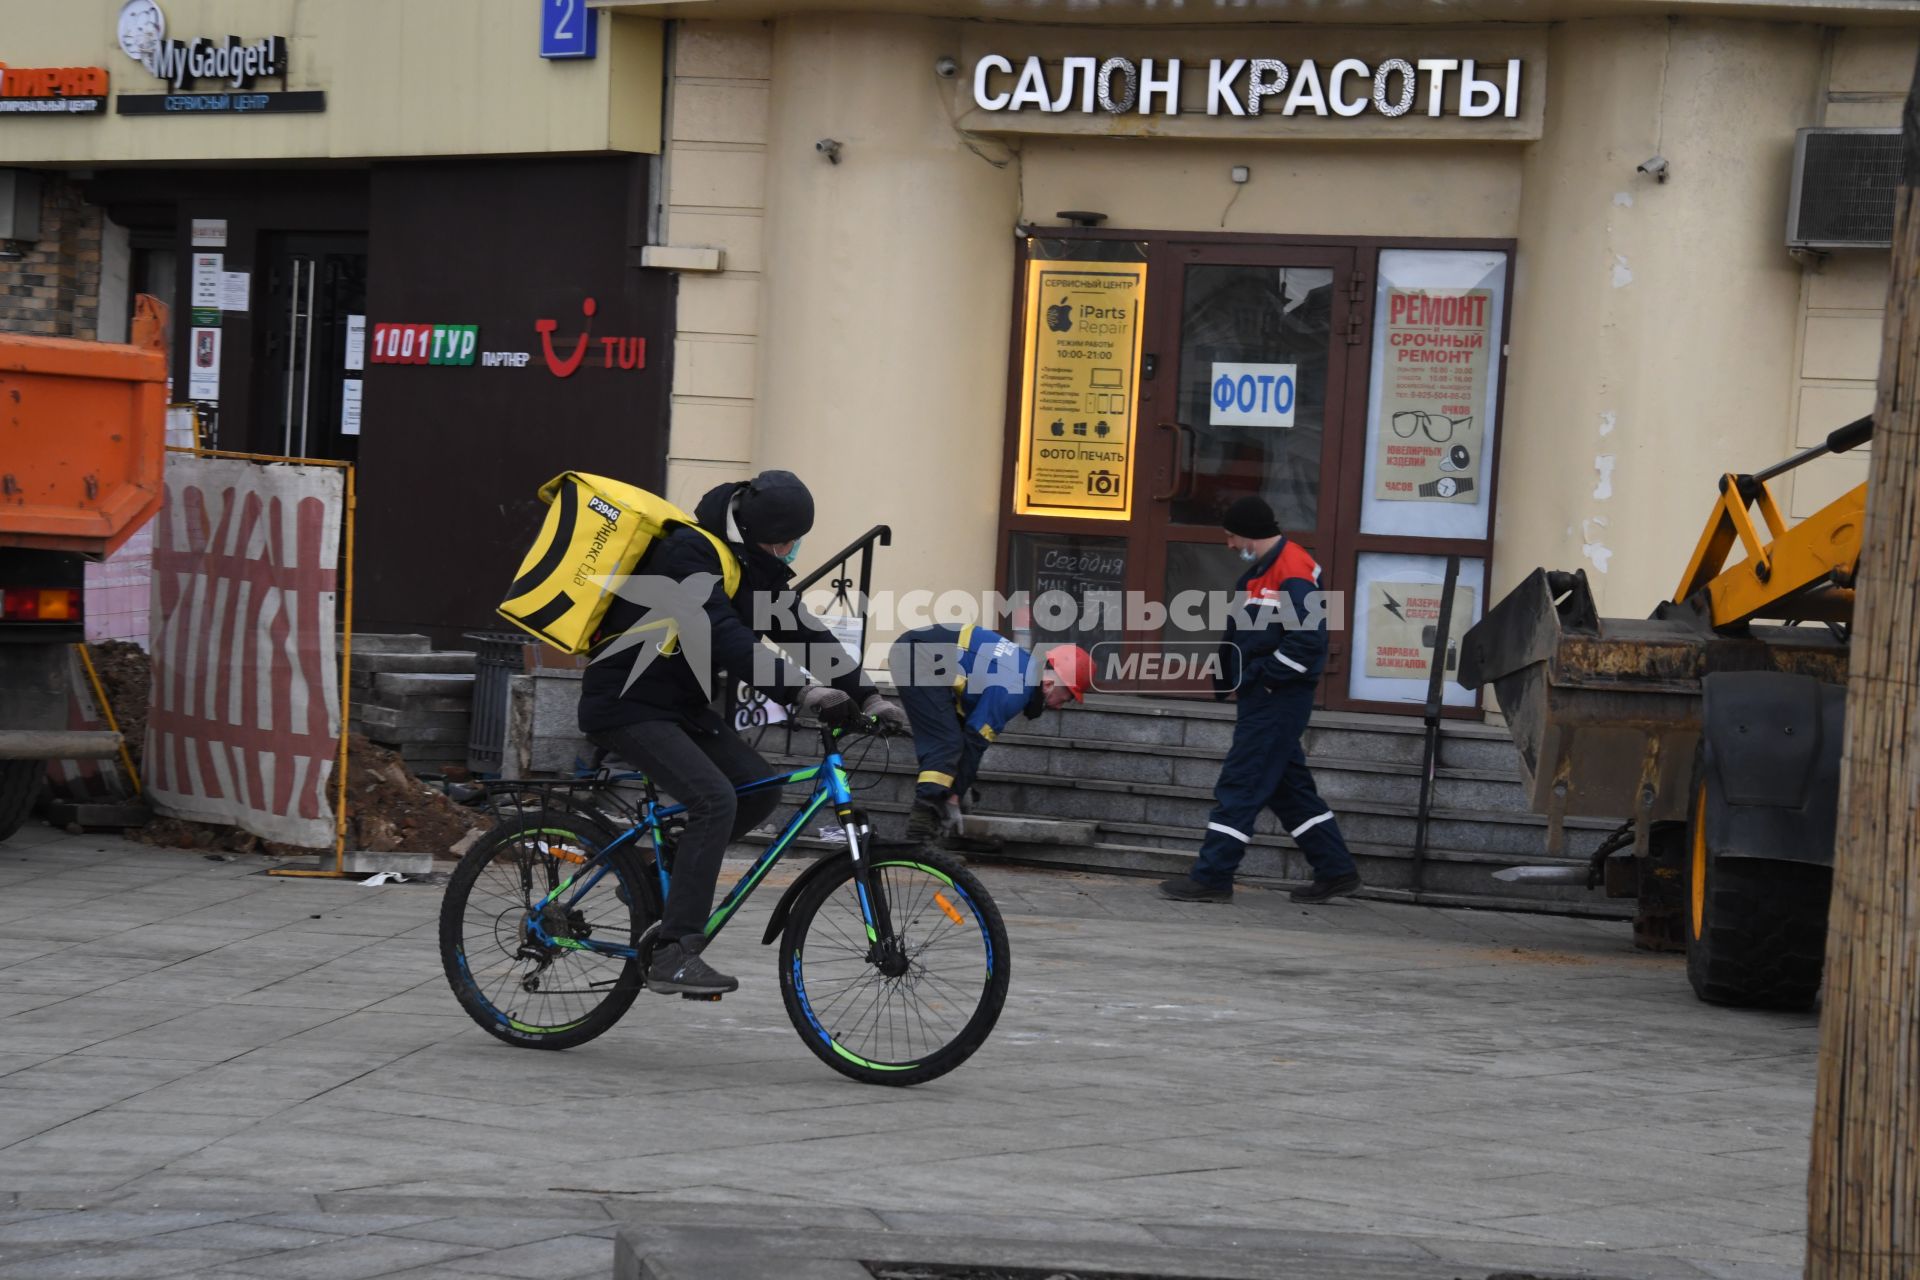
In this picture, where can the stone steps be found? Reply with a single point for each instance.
(1142, 772)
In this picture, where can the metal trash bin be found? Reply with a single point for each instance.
(498, 656)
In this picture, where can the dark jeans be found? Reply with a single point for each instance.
(699, 770)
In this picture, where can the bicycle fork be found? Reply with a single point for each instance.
(884, 948)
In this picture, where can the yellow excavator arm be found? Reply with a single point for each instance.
(1802, 573)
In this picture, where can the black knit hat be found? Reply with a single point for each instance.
(1251, 517)
(774, 508)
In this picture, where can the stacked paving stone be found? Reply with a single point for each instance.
(412, 699)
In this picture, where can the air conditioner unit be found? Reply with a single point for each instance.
(1843, 188)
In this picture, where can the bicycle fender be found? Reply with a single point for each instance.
(777, 923)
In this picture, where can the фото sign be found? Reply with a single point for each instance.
(1251, 395)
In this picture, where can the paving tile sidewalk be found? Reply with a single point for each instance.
(183, 1037)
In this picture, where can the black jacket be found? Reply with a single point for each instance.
(669, 689)
(1276, 632)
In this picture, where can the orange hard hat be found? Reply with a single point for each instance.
(1074, 666)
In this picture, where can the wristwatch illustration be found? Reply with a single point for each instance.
(1446, 487)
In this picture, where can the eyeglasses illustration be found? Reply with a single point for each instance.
(1439, 427)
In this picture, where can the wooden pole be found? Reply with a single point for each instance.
(1863, 1189)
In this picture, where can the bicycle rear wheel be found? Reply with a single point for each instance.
(915, 1024)
(543, 996)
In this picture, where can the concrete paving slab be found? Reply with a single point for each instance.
(1384, 1083)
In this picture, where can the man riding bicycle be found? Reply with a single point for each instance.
(662, 719)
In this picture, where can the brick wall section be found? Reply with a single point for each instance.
(55, 289)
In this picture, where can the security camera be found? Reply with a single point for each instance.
(1655, 168)
(829, 148)
(946, 67)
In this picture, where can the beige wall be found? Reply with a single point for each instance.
(1843, 295)
(419, 78)
(716, 198)
(888, 290)
(1654, 323)
(1372, 189)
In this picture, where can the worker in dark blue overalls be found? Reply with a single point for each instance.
(1274, 651)
(960, 687)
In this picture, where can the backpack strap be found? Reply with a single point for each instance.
(729, 562)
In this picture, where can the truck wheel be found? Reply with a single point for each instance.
(19, 784)
(1756, 928)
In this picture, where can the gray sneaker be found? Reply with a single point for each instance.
(674, 968)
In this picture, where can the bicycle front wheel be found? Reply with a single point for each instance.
(557, 992)
(912, 1018)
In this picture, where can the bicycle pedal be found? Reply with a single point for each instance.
(694, 995)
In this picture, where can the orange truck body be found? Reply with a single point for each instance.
(82, 437)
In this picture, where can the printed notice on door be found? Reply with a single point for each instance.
(1079, 389)
(1436, 348)
(1403, 624)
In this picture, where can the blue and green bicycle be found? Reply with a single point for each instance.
(893, 966)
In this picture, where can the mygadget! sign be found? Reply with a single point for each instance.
(206, 73)
(1475, 83)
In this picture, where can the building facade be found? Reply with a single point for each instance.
(404, 235)
(1045, 291)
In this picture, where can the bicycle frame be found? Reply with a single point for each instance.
(830, 786)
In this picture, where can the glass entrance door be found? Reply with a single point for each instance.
(307, 403)
(1251, 401)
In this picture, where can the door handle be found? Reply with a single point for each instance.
(1182, 444)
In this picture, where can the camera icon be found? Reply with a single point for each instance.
(1103, 483)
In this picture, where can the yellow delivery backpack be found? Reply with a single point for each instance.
(595, 528)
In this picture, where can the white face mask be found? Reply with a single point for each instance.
(1246, 553)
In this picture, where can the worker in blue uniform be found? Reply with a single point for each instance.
(960, 687)
(1274, 651)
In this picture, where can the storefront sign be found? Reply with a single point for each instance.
(568, 29)
(1079, 388)
(1434, 388)
(1394, 87)
(620, 353)
(209, 233)
(167, 104)
(1252, 395)
(1403, 621)
(449, 344)
(69, 91)
(182, 64)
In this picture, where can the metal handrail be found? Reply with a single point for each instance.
(863, 546)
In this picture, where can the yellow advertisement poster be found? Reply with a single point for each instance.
(1079, 388)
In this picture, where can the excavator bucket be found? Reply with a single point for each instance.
(1606, 711)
